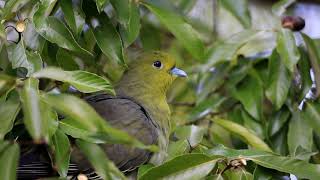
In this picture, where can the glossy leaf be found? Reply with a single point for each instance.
(83, 114)
(277, 121)
(178, 148)
(280, 7)
(109, 40)
(34, 120)
(238, 8)
(179, 27)
(102, 165)
(73, 15)
(61, 149)
(193, 134)
(9, 158)
(189, 166)
(53, 30)
(287, 49)
(12, 6)
(272, 161)
(9, 110)
(244, 133)
(279, 81)
(84, 81)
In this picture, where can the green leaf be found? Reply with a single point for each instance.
(52, 29)
(179, 28)
(102, 165)
(109, 40)
(6, 83)
(61, 149)
(9, 158)
(177, 148)
(143, 169)
(250, 93)
(84, 81)
(65, 60)
(85, 116)
(19, 57)
(34, 118)
(188, 166)
(238, 8)
(277, 121)
(101, 4)
(280, 7)
(73, 15)
(9, 110)
(299, 135)
(311, 115)
(287, 49)
(252, 124)
(272, 161)
(194, 134)
(279, 81)
(314, 55)
(12, 6)
(247, 135)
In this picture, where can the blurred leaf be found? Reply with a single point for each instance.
(238, 174)
(250, 93)
(277, 121)
(84, 81)
(83, 114)
(279, 81)
(9, 110)
(314, 55)
(252, 124)
(287, 49)
(244, 133)
(299, 134)
(9, 158)
(150, 37)
(109, 40)
(193, 134)
(177, 148)
(102, 165)
(188, 166)
(280, 7)
(12, 6)
(143, 169)
(261, 173)
(61, 149)
(34, 119)
(19, 57)
(272, 161)
(179, 27)
(311, 115)
(238, 8)
(66, 61)
(52, 29)
(6, 83)
(205, 107)
(73, 15)
(101, 4)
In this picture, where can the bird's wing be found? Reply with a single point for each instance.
(126, 114)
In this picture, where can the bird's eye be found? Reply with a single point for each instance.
(157, 64)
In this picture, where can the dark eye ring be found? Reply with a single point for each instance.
(157, 64)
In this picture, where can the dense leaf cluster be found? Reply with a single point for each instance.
(257, 90)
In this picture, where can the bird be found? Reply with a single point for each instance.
(139, 108)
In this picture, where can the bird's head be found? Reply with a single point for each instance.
(153, 71)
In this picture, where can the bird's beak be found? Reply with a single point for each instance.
(178, 72)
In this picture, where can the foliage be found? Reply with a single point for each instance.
(263, 101)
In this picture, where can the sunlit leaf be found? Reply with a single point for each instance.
(244, 133)
(84, 81)
(102, 165)
(193, 134)
(188, 166)
(9, 158)
(178, 148)
(280, 7)
(272, 161)
(238, 8)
